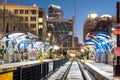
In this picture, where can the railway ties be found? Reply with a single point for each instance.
(74, 72)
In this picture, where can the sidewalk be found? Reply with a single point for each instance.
(103, 69)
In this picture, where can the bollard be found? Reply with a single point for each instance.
(41, 59)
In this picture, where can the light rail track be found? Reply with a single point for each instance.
(73, 71)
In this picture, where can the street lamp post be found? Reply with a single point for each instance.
(55, 48)
(49, 35)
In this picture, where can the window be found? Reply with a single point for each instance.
(15, 18)
(40, 14)
(33, 11)
(32, 25)
(26, 18)
(16, 11)
(32, 18)
(40, 32)
(26, 25)
(26, 11)
(21, 11)
(21, 18)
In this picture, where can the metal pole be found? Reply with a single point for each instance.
(50, 54)
(3, 17)
(2, 52)
(118, 21)
(117, 66)
(3, 30)
(50, 57)
(7, 35)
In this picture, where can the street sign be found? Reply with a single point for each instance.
(117, 51)
(116, 31)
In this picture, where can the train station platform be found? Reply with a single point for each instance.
(55, 69)
(100, 70)
(30, 70)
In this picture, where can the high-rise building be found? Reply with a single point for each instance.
(76, 43)
(55, 12)
(62, 32)
(98, 23)
(89, 24)
(23, 18)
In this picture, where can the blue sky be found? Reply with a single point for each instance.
(83, 8)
